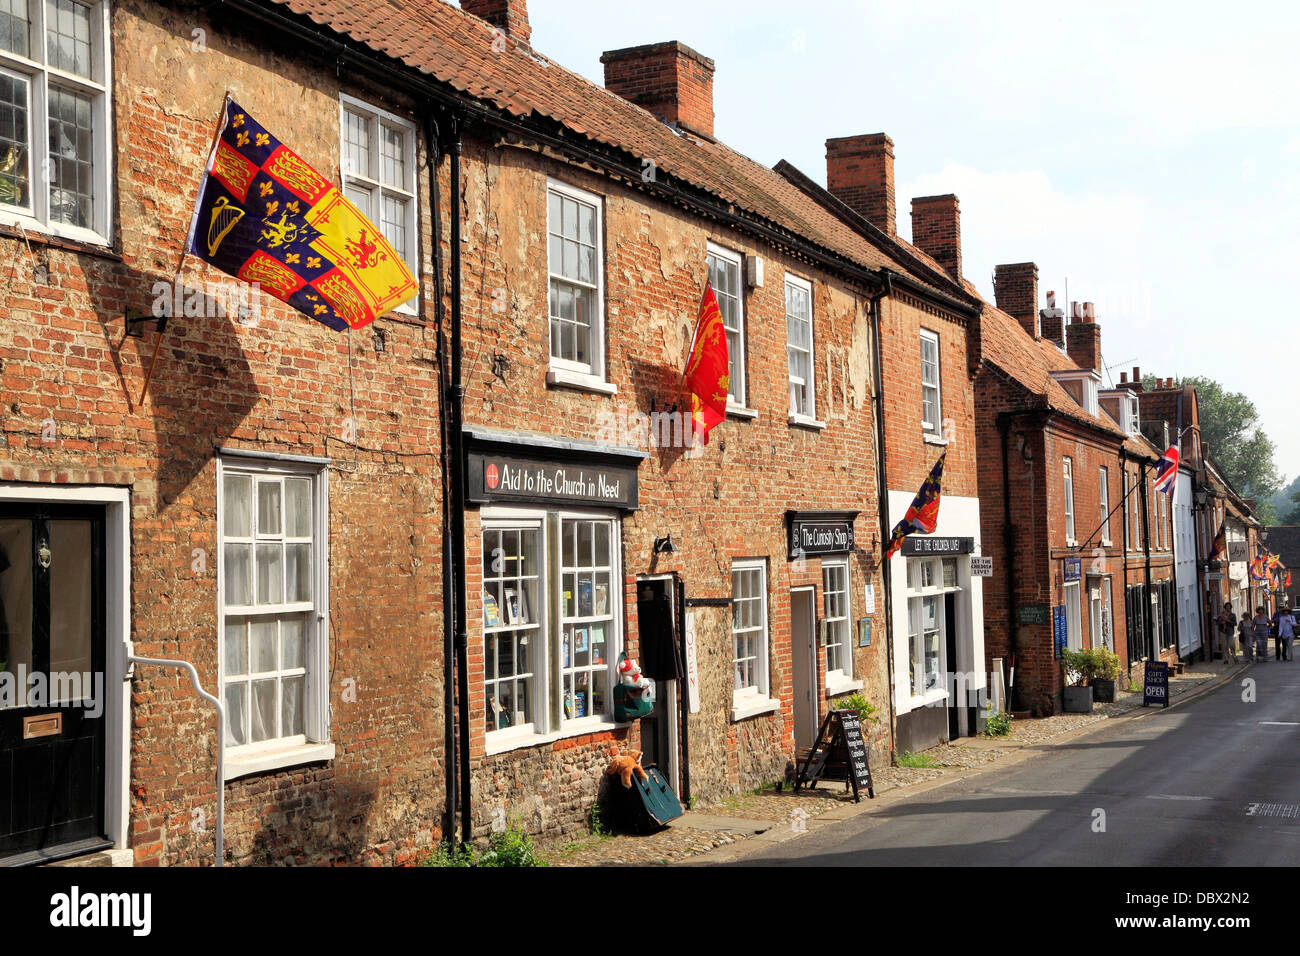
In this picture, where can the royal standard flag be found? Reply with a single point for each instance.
(923, 516)
(265, 216)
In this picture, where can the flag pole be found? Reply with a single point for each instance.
(185, 248)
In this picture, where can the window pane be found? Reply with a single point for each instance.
(263, 711)
(15, 176)
(393, 223)
(238, 504)
(297, 572)
(268, 507)
(238, 572)
(67, 31)
(293, 643)
(262, 638)
(360, 197)
(70, 582)
(236, 649)
(291, 709)
(270, 573)
(71, 158)
(393, 148)
(236, 714)
(356, 144)
(15, 28)
(297, 507)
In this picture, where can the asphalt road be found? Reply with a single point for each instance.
(1215, 782)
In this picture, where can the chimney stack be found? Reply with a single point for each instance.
(860, 173)
(1015, 290)
(508, 16)
(1083, 338)
(1051, 320)
(670, 80)
(936, 231)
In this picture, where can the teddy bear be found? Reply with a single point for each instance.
(629, 672)
(625, 764)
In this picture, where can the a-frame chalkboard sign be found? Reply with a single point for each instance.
(840, 753)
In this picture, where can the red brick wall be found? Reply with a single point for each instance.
(280, 386)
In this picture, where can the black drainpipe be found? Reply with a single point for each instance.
(882, 505)
(457, 396)
(448, 552)
(1128, 503)
(1009, 548)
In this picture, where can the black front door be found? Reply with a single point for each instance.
(52, 686)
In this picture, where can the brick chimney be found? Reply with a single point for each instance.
(669, 79)
(1015, 289)
(936, 231)
(1083, 339)
(1136, 384)
(508, 16)
(1050, 321)
(860, 173)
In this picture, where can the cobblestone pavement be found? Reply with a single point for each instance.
(738, 818)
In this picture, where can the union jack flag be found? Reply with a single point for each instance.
(1167, 470)
(923, 516)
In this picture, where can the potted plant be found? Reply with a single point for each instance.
(1079, 666)
(1105, 674)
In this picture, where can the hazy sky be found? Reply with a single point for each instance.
(1148, 153)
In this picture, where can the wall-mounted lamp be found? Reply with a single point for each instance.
(665, 545)
(381, 340)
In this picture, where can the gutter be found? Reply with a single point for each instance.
(394, 74)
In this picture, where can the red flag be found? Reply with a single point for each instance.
(923, 516)
(1220, 542)
(707, 367)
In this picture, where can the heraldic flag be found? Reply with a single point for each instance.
(707, 367)
(263, 215)
(923, 516)
(1220, 541)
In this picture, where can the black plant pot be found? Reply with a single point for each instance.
(1103, 691)
(1078, 700)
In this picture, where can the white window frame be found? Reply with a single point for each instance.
(839, 628)
(752, 698)
(806, 415)
(1164, 520)
(314, 744)
(1068, 470)
(532, 521)
(561, 371)
(924, 579)
(737, 397)
(1073, 616)
(934, 428)
(549, 723)
(36, 216)
(1103, 496)
(372, 179)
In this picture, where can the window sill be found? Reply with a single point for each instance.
(33, 232)
(933, 439)
(750, 705)
(740, 411)
(245, 764)
(503, 741)
(589, 383)
(835, 686)
(806, 421)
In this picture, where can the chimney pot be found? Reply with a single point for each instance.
(1089, 312)
(671, 80)
(860, 173)
(1123, 378)
(936, 230)
(1137, 375)
(1051, 300)
(508, 16)
(1015, 289)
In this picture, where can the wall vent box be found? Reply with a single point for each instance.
(754, 272)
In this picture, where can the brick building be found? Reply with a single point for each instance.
(412, 599)
(1077, 538)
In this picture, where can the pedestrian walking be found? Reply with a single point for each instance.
(1227, 628)
(1246, 632)
(1285, 631)
(1261, 633)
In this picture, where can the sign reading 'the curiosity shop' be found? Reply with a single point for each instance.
(504, 478)
(820, 532)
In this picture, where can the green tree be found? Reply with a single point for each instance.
(1230, 428)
